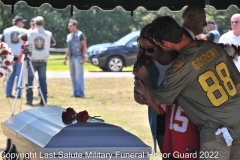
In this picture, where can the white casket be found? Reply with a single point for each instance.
(40, 133)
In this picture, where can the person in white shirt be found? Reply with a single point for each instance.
(233, 36)
(10, 36)
(32, 24)
(39, 41)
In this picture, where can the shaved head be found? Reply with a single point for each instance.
(235, 23)
(236, 15)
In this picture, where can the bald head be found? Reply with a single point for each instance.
(235, 23)
(237, 15)
(194, 19)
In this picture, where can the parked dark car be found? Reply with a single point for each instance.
(114, 56)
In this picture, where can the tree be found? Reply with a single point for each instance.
(101, 26)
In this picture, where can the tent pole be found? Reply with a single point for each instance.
(207, 3)
(12, 6)
(71, 10)
(72, 3)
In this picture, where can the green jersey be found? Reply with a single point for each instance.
(203, 80)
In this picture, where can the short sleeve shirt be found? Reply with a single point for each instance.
(231, 38)
(203, 80)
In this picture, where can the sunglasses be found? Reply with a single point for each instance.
(149, 50)
(236, 22)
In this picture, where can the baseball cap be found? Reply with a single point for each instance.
(32, 20)
(19, 18)
(211, 22)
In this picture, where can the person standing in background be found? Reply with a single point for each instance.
(212, 32)
(233, 36)
(10, 36)
(32, 27)
(77, 48)
(32, 24)
(39, 41)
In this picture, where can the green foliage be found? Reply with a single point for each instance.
(222, 18)
(101, 26)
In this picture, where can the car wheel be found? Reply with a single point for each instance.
(114, 64)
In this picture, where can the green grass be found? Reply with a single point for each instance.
(55, 63)
(115, 104)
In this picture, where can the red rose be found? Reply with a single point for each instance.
(71, 111)
(82, 116)
(4, 67)
(66, 116)
(4, 52)
(7, 62)
(1, 74)
(238, 50)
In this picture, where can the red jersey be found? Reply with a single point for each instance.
(181, 138)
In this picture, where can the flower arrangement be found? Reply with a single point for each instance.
(6, 60)
(69, 115)
(232, 50)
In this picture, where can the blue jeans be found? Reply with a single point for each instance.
(16, 72)
(40, 67)
(76, 71)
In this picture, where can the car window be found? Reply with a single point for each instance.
(129, 44)
(124, 40)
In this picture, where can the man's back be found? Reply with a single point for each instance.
(39, 41)
(208, 73)
(11, 38)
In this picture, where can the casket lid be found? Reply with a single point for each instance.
(44, 127)
(38, 125)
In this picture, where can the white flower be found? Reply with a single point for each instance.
(6, 60)
(10, 57)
